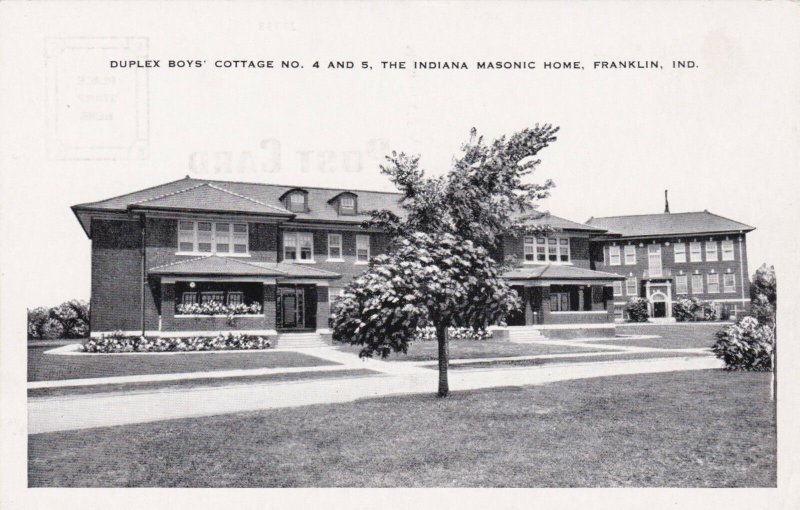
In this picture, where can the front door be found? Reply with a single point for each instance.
(659, 309)
(292, 307)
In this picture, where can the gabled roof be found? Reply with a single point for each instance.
(213, 265)
(558, 272)
(560, 223)
(669, 224)
(207, 197)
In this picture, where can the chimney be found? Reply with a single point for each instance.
(666, 202)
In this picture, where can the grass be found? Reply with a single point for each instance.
(471, 349)
(621, 356)
(707, 428)
(673, 336)
(53, 367)
(151, 386)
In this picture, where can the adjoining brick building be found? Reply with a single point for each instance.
(284, 253)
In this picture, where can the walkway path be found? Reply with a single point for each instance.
(50, 414)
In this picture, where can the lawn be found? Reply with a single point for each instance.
(673, 336)
(471, 349)
(51, 367)
(683, 429)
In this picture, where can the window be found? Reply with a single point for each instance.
(235, 298)
(680, 252)
(189, 298)
(297, 202)
(334, 246)
(559, 302)
(215, 296)
(298, 246)
(711, 251)
(362, 249)
(697, 284)
(613, 256)
(695, 252)
(617, 287)
(619, 313)
(347, 205)
(630, 286)
(713, 283)
(727, 249)
(221, 238)
(729, 282)
(546, 249)
(682, 284)
(630, 254)
(654, 268)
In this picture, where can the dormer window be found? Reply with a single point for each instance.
(347, 205)
(297, 202)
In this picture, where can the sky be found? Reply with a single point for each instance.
(721, 137)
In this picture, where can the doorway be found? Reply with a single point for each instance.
(294, 302)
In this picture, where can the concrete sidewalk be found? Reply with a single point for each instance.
(51, 414)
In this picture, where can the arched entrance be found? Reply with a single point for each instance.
(659, 304)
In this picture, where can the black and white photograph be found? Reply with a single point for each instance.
(394, 246)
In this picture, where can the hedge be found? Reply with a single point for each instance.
(119, 343)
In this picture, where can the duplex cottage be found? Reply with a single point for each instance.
(195, 257)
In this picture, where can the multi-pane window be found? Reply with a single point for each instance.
(630, 286)
(298, 246)
(613, 256)
(362, 249)
(297, 202)
(713, 283)
(680, 252)
(335, 246)
(630, 254)
(711, 251)
(212, 237)
(215, 296)
(697, 284)
(617, 288)
(189, 298)
(619, 313)
(544, 249)
(729, 282)
(696, 252)
(559, 302)
(727, 249)
(682, 284)
(235, 298)
(347, 205)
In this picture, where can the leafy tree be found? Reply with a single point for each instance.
(428, 280)
(438, 271)
(764, 294)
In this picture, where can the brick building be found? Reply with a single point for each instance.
(283, 253)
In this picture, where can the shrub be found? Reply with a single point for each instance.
(51, 329)
(683, 309)
(70, 319)
(118, 343)
(429, 334)
(217, 308)
(637, 310)
(746, 345)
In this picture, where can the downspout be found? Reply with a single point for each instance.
(143, 225)
(741, 267)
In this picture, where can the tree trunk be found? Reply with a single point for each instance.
(441, 338)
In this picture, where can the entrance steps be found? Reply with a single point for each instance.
(301, 340)
(523, 335)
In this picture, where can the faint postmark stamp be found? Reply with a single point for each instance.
(95, 112)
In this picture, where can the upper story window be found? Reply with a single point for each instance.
(222, 238)
(546, 249)
(680, 252)
(696, 252)
(347, 205)
(682, 284)
(297, 202)
(630, 286)
(713, 283)
(334, 246)
(727, 249)
(298, 246)
(711, 251)
(630, 254)
(613, 256)
(362, 249)
(697, 284)
(729, 282)
(617, 288)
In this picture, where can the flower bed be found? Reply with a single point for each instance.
(217, 308)
(429, 334)
(119, 343)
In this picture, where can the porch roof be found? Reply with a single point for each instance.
(213, 265)
(558, 272)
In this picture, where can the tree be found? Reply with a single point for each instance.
(481, 198)
(428, 280)
(764, 294)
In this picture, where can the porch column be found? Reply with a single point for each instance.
(581, 298)
(545, 304)
(167, 306)
(527, 300)
(269, 305)
(323, 308)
